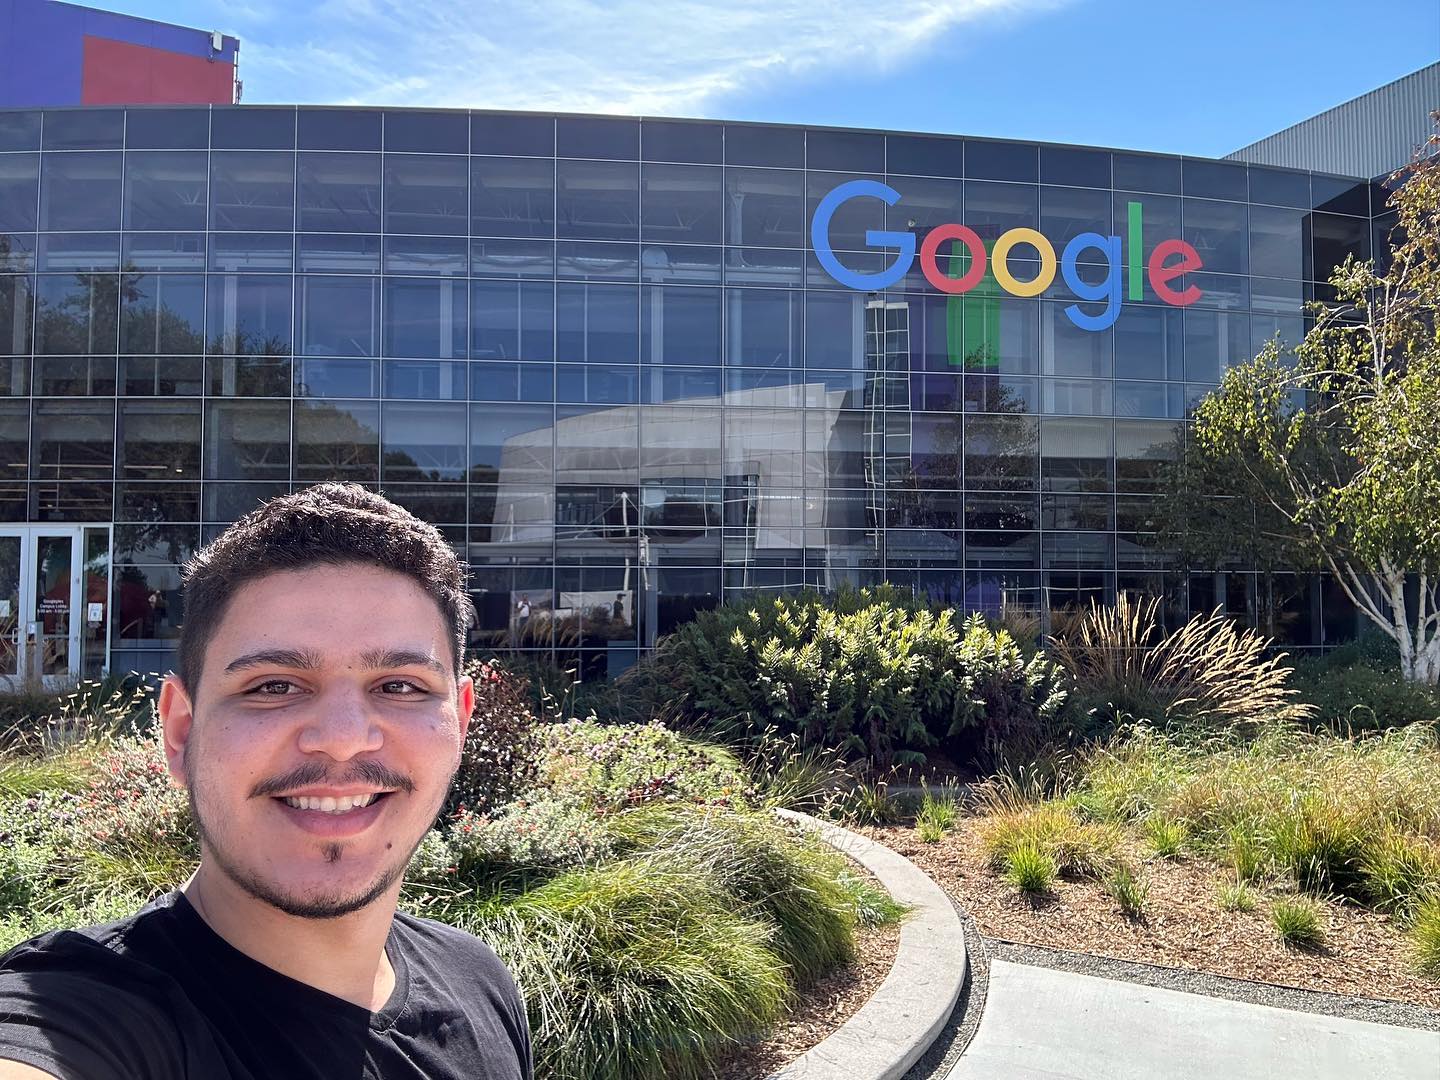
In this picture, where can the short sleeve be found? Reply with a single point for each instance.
(79, 1025)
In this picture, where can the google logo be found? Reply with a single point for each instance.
(1170, 259)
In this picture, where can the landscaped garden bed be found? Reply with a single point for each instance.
(658, 916)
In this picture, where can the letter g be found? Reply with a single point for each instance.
(820, 237)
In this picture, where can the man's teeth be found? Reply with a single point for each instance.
(332, 806)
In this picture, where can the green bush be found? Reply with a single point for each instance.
(936, 816)
(1029, 868)
(1130, 890)
(872, 672)
(526, 838)
(499, 758)
(1237, 896)
(1297, 922)
(1425, 934)
(1364, 696)
(612, 766)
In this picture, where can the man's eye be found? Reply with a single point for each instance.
(274, 688)
(401, 688)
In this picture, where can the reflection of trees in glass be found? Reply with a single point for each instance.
(86, 318)
(332, 444)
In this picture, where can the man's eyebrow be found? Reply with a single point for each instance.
(396, 658)
(290, 658)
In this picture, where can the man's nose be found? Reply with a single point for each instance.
(342, 724)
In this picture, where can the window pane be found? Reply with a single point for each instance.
(423, 442)
(338, 129)
(512, 444)
(920, 155)
(597, 137)
(987, 160)
(338, 253)
(597, 324)
(427, 132)
(441, 255)
(1148, 343)
(765, 328)
(835, 331)
(84, 129)
(512, 197)
(680, 325)
(248, 376)
(19, 130)
(1277, 242)
(165, 189)
(774, 146)
(513, 320)
(765, 207)
(80, 191)
(1069, 350)
(339, 192)
(680, 140)
(72, 440)
(163, 313)
(79, 251)
(425, 317)
(337, 440)
(426, 195)
(247, 440)
(1214, 342)
(19, 190)
(159, 440)
(847, 151)
(248, 314)
(1220, 233)
(327, 378)
(1078, 455)
(251, 127)
(252, 191)
(509, 134)
(1067, 212)
(166, 251)
(252, 252)
(76, 313)
(338, 316)
(1002, 453)
(683, 203)
(597, 200)
(16, 302)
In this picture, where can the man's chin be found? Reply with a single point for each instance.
(328, 900)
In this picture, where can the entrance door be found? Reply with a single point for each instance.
(51, 631)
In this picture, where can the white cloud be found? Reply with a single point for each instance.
(666, 57)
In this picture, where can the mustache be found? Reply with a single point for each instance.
(313, 772)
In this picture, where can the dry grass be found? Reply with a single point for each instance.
(1208, 671)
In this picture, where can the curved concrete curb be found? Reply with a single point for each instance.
(903, 1017)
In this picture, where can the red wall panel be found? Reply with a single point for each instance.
(118, 73)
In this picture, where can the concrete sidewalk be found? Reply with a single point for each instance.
(1043, 1024)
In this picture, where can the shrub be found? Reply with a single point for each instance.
(1077, 849)
(936, 816)
(1130, 891)
(622, 765)
(1208, 672)
(1425, 934)
(1237, 896)
(1399, 869)
(1297, 922)
(636, 970)
(500, 756)
(866, 802)
(525, 838)
(1166, 836)
(872, 672)
(1029, 868)
(1364, 696)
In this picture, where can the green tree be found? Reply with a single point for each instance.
(1334, 453)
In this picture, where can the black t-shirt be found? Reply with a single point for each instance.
(161, 996)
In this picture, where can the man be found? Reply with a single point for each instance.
(316, 721)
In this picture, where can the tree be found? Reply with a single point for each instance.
(1334, 453)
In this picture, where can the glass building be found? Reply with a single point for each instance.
(605, 358)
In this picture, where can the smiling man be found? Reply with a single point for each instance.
(316, 721)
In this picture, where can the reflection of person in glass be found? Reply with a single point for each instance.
(522, 611)
(316, 720)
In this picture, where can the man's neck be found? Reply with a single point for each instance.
(343, 956)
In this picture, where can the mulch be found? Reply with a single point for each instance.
(1365, 954)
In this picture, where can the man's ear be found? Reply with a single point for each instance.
(466, 701)
(177, 720)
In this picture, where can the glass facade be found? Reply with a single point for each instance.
(601, 355)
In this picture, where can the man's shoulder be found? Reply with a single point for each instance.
(448, 945)
(115, 946)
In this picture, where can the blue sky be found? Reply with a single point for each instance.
(1199, 76)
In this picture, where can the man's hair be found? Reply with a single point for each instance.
(324, 525)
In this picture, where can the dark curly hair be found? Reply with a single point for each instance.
(324, 525)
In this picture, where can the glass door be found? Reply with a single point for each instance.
(46, 627)
(12, 576)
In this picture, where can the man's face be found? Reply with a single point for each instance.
(321, 689)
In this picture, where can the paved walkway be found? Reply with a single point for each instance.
(1043, 1024)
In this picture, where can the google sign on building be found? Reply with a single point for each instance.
(1125, 271)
